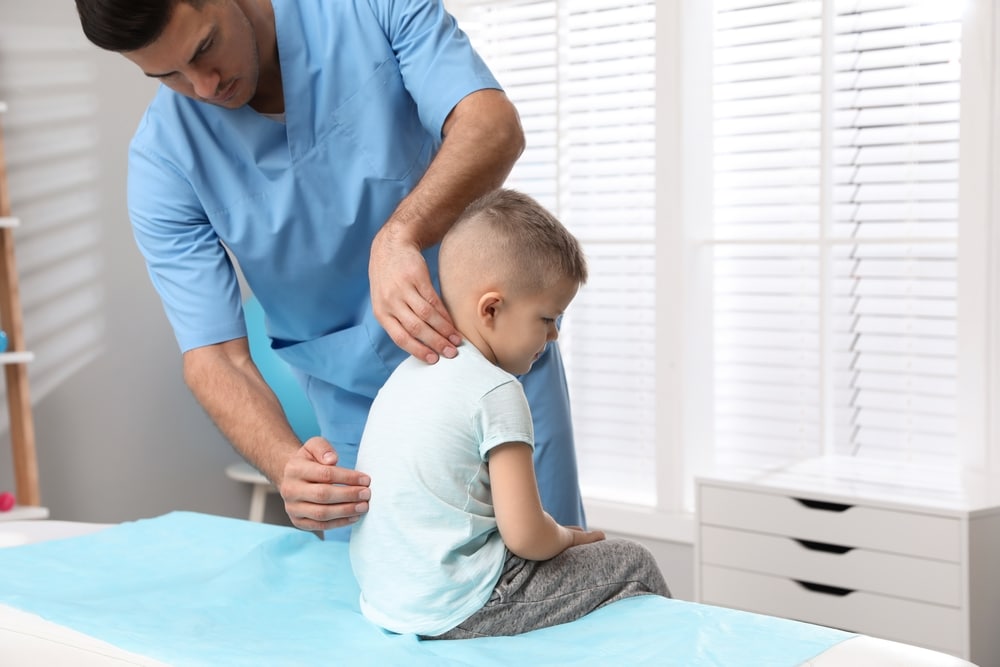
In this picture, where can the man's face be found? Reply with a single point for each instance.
(208, 54)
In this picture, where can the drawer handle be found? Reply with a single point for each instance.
(823, 546)
(824, 588)
(823, 505)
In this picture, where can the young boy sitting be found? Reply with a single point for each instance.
(455, 543)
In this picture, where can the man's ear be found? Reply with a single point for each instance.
(488, 307)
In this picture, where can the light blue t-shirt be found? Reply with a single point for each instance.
(428, 554)
(368, 85)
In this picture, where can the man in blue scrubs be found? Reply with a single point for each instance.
(325, 146)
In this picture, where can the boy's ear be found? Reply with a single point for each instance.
(488, 307)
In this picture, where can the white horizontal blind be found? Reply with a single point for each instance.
(50, 132)
(835, 229)
(581, 74)
(518, 40)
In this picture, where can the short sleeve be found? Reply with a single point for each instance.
(504, 416)
(187, 263)
(436, 59)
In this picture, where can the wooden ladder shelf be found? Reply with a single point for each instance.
(14, 360)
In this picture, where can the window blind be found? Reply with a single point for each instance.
(835, 230)
(50, 132)
(582, 76)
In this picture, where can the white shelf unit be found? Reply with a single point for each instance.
(16, 357)
(25, 513)
(885, 551)
(14, 362)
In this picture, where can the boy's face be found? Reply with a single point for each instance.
(525, 323)
(208, 54)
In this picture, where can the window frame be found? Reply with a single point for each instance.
(978, 248)
(683, 440)
(683, 277)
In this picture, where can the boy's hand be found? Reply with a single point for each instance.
(581, 536)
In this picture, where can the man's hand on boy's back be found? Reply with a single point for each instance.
(319, 494)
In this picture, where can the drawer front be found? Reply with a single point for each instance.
(906, 533)
(856, 569)
(928, 625)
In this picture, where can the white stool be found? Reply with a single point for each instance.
(244, 472)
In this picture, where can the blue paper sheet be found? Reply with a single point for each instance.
(196, 589)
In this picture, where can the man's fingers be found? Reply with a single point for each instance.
(410, 340)
(319, 517)
(327, 506)
(319, 450)
(320, 495)
(312, 524)
(406, 304)
(423, 329)
(335, 476)
(316, 483)
(315, 462)
(337, 494)
(430, 310)
(326, 511)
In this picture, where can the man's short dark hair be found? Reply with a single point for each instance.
(126, 25)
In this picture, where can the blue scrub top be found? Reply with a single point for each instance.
(368, 85)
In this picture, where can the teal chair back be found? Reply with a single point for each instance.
(278, 375)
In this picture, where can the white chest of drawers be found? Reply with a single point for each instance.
(885, 559)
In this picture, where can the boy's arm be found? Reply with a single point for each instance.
(526, 529)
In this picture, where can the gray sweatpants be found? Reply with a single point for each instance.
(537, 594)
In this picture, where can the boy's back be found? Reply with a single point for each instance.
(425, 446)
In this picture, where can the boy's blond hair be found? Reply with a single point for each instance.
(507, 239)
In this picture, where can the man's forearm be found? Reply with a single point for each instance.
(234, 394)
(482, 141)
